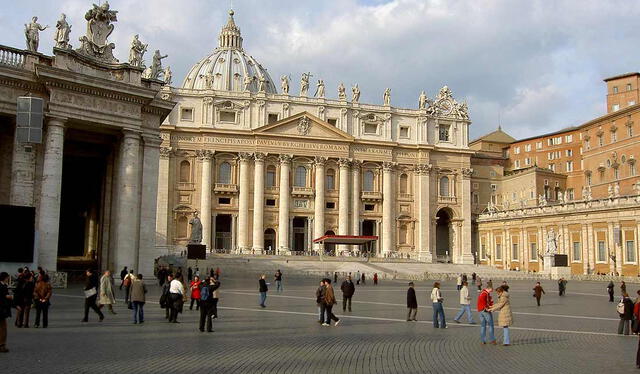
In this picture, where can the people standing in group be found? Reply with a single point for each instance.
(438, 310)
(625, 312)
(42, 295)
(106, 293)
(24, 299)
(278, 279)
(538, 291)
(127, 285)
(194, 287)
(459, 282)
(412, 303)
(329, 302)
(5, 310)
(610, 290)
(505, 318)
(176, 298)
(263, 289)
(486, 317)
(138, 298)
(209, 300)
(363, 279)
(562, 286)
(320, 301)
(123, 273)
(465, 304)
(91, 295)
(348, 289)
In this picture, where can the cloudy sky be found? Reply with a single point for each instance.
(533, 66)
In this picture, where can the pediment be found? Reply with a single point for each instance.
(304, 125)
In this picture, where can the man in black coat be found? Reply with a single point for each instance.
(123, 274)
(91, 287)
(348, 289)
(412, 303)
(263, 290)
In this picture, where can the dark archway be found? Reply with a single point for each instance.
(330, 248)
(270, 241)
(443, 235)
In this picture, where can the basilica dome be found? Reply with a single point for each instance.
(228, 67)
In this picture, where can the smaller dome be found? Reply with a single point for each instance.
(229, 68)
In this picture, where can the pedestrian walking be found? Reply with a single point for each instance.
(278, 280)
(106, 292)
(610, 290)
(486, 317)
(162, 276)
(375, 279)
(215, 297)
(127, 285)
(538, 291)
(623, 287)
(505, 318)
(24, 299)
(412, 303)
(562, 286)
(123, 273)
(438, 310)
(194, 287)
(348, 289)
(320, 301)
(464, 277)
(358, 277)
(465, 304)
(164, 296)
(5, 310)
(459, 282)
(625, 312)
(41, 296)
(263, 290)
(91, 295)
(363, 279)
(176, 298)
(329, 302)
(138, 298)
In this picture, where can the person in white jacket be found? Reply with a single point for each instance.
(438, 310)
(465, 301)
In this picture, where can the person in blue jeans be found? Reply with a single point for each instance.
(263, 291)
(278, 279)
(465, 300)
(438, 310)
(138, 298)
(486, 317)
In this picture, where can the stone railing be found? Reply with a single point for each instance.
(271, 190)
(371, 195)
(447, 199)
(12, 56)
(302, 191)
(186, 186)
(225, 188)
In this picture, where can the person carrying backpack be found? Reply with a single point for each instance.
(208, 301)
(625, 311)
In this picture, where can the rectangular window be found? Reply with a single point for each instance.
(630, 251)
(330, 205)
(632, 170)
(369, 207)
(533, 249)
(498, 251)
(333, 122)
(273, 117)
(616, 174)
(224, 200)
(570, 194)
(475, 198)
(483, 251)
(539, 145)
(568, 153)
(600, 141)
(527, 148)
(186, 114)
(552, 167)
(629, 131)
(517, 164)
(588, 179)
(227, 116)
(270, 202)
(615, 89)
(494, 187)
(527, 161)
(370, 128)
(628, 86)
(443, 133)
(602, 251)
(514, 251)
(569, 165)
(577, 251)
(475, 185)
(404, 132)
(568, 138)
(516, 150)
(614, 137)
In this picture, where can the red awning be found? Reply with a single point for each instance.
(345, 239)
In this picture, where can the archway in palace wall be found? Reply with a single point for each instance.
(443, 234)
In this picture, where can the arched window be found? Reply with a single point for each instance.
(182, 226)
(403, 183)
(330, 179)
(444, 186)
(301, 177)
(224, 173)
(368, 181)
(402, 239)
(270, 176)
(185, 171)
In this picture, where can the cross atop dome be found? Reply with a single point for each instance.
(230, 34)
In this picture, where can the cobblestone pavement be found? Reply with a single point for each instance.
(573, 334)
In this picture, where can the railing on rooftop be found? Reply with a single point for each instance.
(12, 56)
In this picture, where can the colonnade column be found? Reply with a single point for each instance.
(423, 194)
(283, 212)
(319, 203)
(343, 201)
(128, 190)
(50, 195)
(162, 203)
(148, 251)
(243, 203)
(388, 220)
(467, 256)
(23, 172)
(355, 199)
(584, 248)
(205, 197)
(258, 203)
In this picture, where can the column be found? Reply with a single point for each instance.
(423, 212)
(148, 251)
(591, 245)
(258, 203)
(584, 247)
(343, 201)
(205, 197)
(283, 211)
(23, 170)
(50, 190)
(243, 204)
(356, 184)
(319, 202)
(128, 202)
(467, 256)
(162, 205)
(388, 215)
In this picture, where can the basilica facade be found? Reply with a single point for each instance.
(267, 170)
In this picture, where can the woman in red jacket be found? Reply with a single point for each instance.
(195, 292)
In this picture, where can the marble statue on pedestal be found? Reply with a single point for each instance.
(99, 27)
(542, 200)
(137, 52)
(355, 97)
(552, 242)
(304, 84)
(63, 29)
(156, 64)
(341, 92)
(196, 230)
(168, 75)
(386, 98)
(319, 88)
(262, 84)
(284, 84)
(560, 197)
(616, 190)
(32, 33)
(422, 100)
(610, 191)
(247, 82)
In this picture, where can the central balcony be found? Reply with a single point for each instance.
(447, 199)
(302, 192)
(371, 196)
(225, 189)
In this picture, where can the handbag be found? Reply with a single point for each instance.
(90, 292)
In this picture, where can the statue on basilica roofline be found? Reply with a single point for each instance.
(304, 84)
(355, 90)
(137, 52)
(319, 88)
(247, 82)
(32, 33)
(386, 98)
(168, 75)
(156, 64)
(341, 92)
(284, 84)
(63, 29)
(422, 100)
(262, 84)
